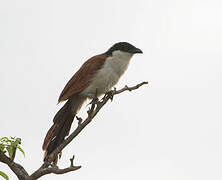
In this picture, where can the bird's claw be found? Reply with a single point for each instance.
(110, 95)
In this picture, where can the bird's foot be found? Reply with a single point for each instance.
(110, 95)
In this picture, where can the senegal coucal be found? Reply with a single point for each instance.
(96, 77)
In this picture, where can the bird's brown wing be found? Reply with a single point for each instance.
(82, 77)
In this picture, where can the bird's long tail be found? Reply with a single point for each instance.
(61, 125)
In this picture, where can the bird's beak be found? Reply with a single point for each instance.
(136, 50)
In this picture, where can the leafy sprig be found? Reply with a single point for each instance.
(10, 145)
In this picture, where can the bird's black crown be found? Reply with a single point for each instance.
(123, 46)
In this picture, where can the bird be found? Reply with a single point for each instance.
(94, 78)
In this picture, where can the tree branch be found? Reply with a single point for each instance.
(47, 167)
(55, 170)
(15, 167)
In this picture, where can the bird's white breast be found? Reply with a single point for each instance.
(109, 74)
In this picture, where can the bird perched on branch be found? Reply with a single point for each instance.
(96, 77)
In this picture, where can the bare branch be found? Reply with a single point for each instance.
(47, 166)
(126, 88)
(71, 161)
(55, 170)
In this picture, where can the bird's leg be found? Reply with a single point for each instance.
(93, 97)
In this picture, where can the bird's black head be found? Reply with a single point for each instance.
(125, 47)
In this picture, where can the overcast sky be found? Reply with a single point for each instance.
(168, 130)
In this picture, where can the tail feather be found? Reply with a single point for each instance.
(62, 124)
(48, 137)
(59, 130)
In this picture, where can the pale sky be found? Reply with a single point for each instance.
(168, 130)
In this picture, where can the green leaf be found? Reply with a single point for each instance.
(18, 140)
(4, 175)
(11, 145)
(22, 151)
(2, 147)
(10, 151)
(4, 139)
